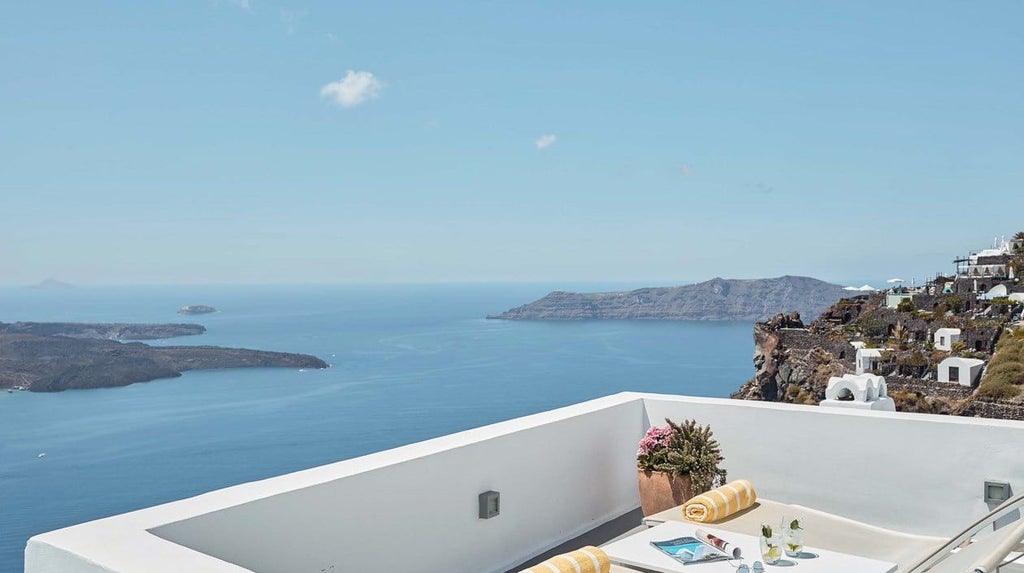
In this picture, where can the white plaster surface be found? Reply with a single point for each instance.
(944, 338)
(866, 359)
(863, 387)
(894, 300)
(970, 370)
(560, 473)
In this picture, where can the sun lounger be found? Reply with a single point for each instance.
(823, 530)
(912, 553)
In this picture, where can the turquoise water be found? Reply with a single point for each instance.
(408, 363)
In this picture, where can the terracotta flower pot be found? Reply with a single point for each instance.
(660, 491)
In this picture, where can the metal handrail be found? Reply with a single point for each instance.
(961, 539)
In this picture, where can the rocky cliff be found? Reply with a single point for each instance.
(716, 299)
(794, 361)
(793, 364)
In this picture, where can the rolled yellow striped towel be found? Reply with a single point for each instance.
(720, 502)
(589, 559)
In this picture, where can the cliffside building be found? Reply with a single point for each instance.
(946, 337)
(998, 291)
(867, 360)
(893, 300)
(987, 267)
(963, 371)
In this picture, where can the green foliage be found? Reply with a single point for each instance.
(795, 524)
(692, 450)
(766, 531)
(906, 305)
(958, 347)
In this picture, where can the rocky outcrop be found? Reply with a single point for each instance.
(102, 331)
(716, 299)
(793, 363)
(55, 363)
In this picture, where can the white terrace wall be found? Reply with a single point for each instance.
(559, 474)
(918, 473)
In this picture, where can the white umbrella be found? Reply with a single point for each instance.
(891, 281)
(867, 288)
(850, 288)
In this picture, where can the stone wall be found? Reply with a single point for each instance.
(1002, 410)
(928, 388)
(981, 339)
(801, 339)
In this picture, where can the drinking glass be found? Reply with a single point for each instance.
(794, 541)
(771, 544)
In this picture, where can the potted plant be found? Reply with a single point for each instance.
(676, 462)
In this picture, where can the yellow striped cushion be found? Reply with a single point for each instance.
(590, 559)
(720, 502)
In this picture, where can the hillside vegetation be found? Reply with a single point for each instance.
(1004, 377)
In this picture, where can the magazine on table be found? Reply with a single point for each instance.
(689, 550)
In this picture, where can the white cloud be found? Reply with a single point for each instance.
(546, 140)
(355, 88)
(243, 4)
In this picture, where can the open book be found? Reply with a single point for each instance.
(689, 550)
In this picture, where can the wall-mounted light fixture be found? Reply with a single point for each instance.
(489, 504)
(996, 491)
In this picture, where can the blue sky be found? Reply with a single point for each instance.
(220, 141)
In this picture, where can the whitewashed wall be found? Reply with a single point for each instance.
(917, 473)
(559, 473)
(414, 508)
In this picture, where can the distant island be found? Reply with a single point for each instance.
(196, 309)
(104, 331)
(52, 284)
(50, 357)
(716, 299)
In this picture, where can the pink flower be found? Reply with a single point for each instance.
(656, 436)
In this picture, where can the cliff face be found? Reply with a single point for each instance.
(716, 299)
(794, 362)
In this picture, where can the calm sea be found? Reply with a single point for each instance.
(408, 363)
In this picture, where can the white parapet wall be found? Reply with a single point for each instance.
(918, 473)
(413, 508)
(559, 474)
